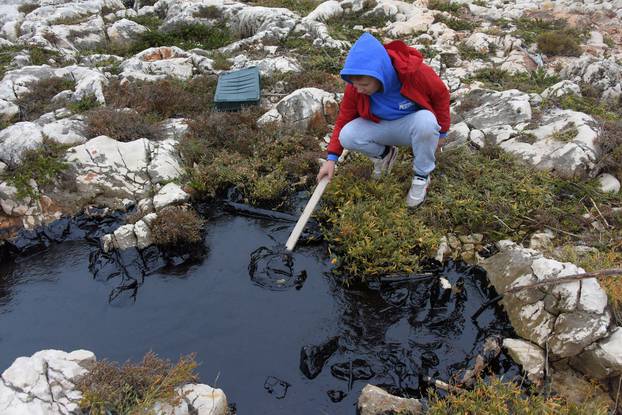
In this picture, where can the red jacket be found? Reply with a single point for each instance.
(420, 84)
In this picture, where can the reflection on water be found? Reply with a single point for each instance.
(296, 342)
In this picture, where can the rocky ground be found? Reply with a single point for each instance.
(108, 103)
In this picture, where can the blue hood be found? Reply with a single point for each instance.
(369, 57)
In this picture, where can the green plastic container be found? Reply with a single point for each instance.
(237, 89)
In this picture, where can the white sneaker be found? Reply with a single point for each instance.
(417, 192)
(384, 164)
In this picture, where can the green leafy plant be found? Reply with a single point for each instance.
(559, 42)
(445, 6)
(455, 23)
(499, 79)
(42, 165)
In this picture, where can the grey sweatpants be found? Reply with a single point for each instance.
(418, 130)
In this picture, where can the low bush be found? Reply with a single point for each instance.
(559, 43)
(302, 7)
(165, 98)
(342, 27)
(27, 7)
(445, 6)
(529, 28)
(42, 165)
(208, 12)
(590, 106)
(120, 124)
(455, 23)
(327, 60)
(134, 388)
(501, 80)
(470, 53)
(177, 227)
(265, 164)
(186, 36)
(487, 192)
(610, 144)
(37, 100)
(293, 81)
(496, 397)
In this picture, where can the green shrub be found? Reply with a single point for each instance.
(488, 192)
(470, 53)
(134, 388)
(501, 80)
(311, 78)
(85, 104)
(445, 6)
(530, 28)
(496, 398)
(455, 23)
(302, 7)
(37, 100)
(265, 164)
(122, 125)
(27, 7)
(149, 21)
(42, 165)
(208, 12)
(342, 27)
(589, 106)
(559, 42)
(186, 36)
(177, 227)
(327, 60)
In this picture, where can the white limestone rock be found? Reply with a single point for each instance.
(268, 66)
(174, 128)
(8, 110)
(110, 170)
(568, 316)
(303, 108)
(458, 134)
(165, 164)
(375, 401)
(561, 89)
(161, 62)
(608, 183)
(492, 109)
(603, 359)
(124, 237)
(143, 232)
(124, 31)
(44, 383)
(171, 194)
(66, 131)
(481, 42)
(564, 143)
(528, 355)
(325, 11)
(16, 139)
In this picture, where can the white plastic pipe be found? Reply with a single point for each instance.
(306, 214)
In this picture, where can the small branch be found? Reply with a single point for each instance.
(503, 223)
(568, 278)
(600, 213)
(442, 385)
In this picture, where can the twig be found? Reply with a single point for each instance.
(443, 385)
(600, 213)
(567, 278)
(503, 223)
(615, 409)
(552, 227)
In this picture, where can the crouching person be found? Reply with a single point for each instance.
(391, 99)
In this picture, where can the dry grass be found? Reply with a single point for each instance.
(164, 99)
(134, 388)
(495, 397)
(177, 227)
(38, 100)
(610, 144)
(122, 125)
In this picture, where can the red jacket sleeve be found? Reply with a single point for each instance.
(439, 97)
(347, 112)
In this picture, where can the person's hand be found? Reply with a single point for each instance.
(441, 143)
(327, 169)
